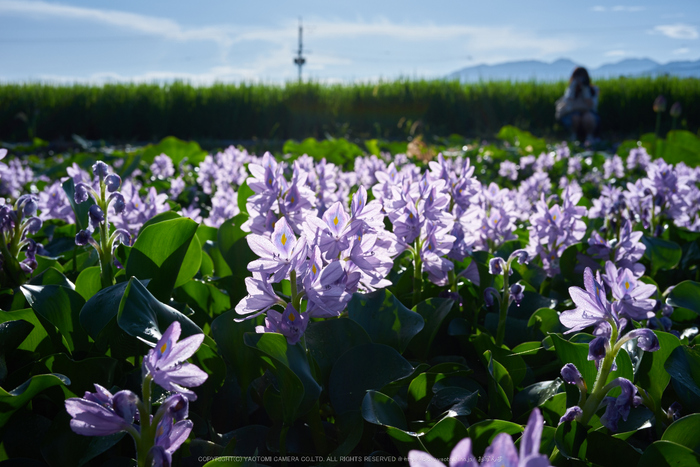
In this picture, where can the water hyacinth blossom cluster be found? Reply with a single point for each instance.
(159, 435)
(16, 221)
(609, 319)
(107, 199)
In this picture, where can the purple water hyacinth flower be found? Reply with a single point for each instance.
(647, 340)
(592, 306)
(119, 204)
(291, 324)
(169, 438)
(620, 406)
(53, 204)
(496, 266)
(83, 237)
(333, 233)
(96, 215)
(101, 413)
(100, 169)
(502, 451)
(638, 158)
(82, 192)
(632, 296)
(598, 348)
(517, 293)
(571, 375)
(280, 253)
(261, 297)
(162, 167)
(436, 244)
(571, 414)
(112, 182)
(166, 362)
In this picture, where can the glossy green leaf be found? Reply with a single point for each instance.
(364, 367)
(38, 341)
(386, 320)
(684, 431)
(13, 333)
(101, 308)
(483, 433)
(327, 340)
(61, 307)
(433, 311)
(88, 282)
(163, 252)
(572, 440)
(234, 246)
(203, 297)
(177, 149)
(545, 320)
(652, 375)
(298, 387)
(668, 454)
(13, 400)
(142, 316)
(686, 295)
(83, 374)
(444, 436)
(380, 409)
(606, 450)
(663, 254)
(500, 391)
(684, 367)
(244, 192)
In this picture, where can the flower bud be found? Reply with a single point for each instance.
(100, 169)
(82, 238)
(646, 339)
(571, 375)
(597, 348)
(496, 266)
(81, 193)
(119, 204)
(96, 215)
(660, 104)
(113, 182)
(675, 110)
(517, 293)
(571, 414)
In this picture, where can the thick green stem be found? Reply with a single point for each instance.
(283, 444)
(144, 445)
(600, 388)
(318, 434)
(503, 314)
(106, 275)
(417, 274)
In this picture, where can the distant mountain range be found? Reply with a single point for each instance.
(561, 70)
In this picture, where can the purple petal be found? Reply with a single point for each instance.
(530, 441)
(422, 459)
(461, 455)
(501, 453)
(182, 350)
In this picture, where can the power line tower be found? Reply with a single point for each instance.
(299, 60)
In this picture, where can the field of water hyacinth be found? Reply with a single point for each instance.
(466, 303)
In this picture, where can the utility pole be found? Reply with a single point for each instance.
(299, 60)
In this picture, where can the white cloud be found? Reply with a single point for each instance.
(681, 51)
(678, 31)
(616, 53)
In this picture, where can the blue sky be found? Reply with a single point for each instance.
(360, 40)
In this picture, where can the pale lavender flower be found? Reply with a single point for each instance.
(509, 170)
(592, 306)
(632, 296)
(280, 253)
(54, 204)
(638, 158)
(162, 167)
(101, 413)
(166, 363)
(291, 324)
(261, 297)
(613, 167)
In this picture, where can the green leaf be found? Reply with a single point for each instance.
(500, 388)
(444, 436)
(299, 389)
(524, 140)
(668, 454)
(684, 431)
(684, 367)
(165, 253)
(234, 246)
(38, 340)
(327, 340)
(244, 192)
(420, 390)
(18, 397)
(483, 433)
(88, 282)
(203, 297)
(571, 440)
(663, 254)
(545, 320)
(12, 334)
(380, 409)
(434, 311)
(385, 318)
(686, 295)
(652, 375)
(682, 146)
(101, 308)
(176, 149)
(83, 374)
(61, 307)
(364, 367)
(606, 450)
(142, 316)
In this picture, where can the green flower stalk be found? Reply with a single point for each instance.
(105, 194)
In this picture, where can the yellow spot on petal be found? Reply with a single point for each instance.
(163, 348)
(495, 221)
(313, 268)
(284, 239)
(269, 181)
(410, 215)
(430, 247)
(335, 220)
(292, 199)
(291, 317)
(554, 217)
(359, 238)
(627, 285)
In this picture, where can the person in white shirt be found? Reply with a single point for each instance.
(577, 109)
